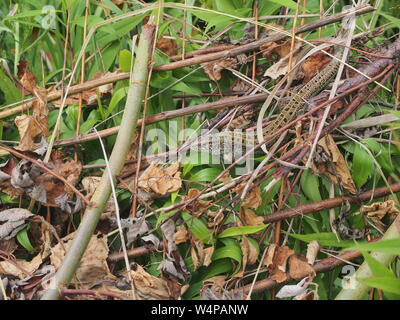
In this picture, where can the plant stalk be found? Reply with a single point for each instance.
(103, 191)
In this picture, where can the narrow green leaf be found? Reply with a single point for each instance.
(310, 185)
(239, 231)
(386, 284)
(23, 239)
(323, 238)
(391, 246)
(198, 228)
(125, 60)
(362, 166)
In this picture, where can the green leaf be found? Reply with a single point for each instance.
(391, 246)
(125, 60)
(386, 284)
(232, 251)
(217, 267)
(23, 239)
(198, 228)
(286, 3)
(323, 238)
(378, 269)
(394, 20)
(205, 175)
(362, 166)
(10, 91)
(117, 96)
(239, 231)
(310, 185)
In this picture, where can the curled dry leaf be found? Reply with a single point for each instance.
(313, 64)
(201, 256)
(330, 162)
(217, 283)
(12, 221)
(21, 268)
(249, 252)
(281, 67)
(197, 207)
(158, 181)
(277, 268)
(90, 184)
(214, 218)
(299, 268)
(249, 218)
(312, 251)
(378, 210)
(136, 227)
(166, 45)
(253, 197)
(181, 235)
(30, 127)
(93, 265)
(152, 287)
(213, 69)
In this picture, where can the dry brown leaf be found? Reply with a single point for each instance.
(27, 78)
(166, 45)
(249, 252)
(334, 166)
(214, 218)
(148, 285)
(181, 235)
(253, 198)
(313, 64)
(277, 268)
(312, 251)
(29, 127)
(197, 207)
(161, 181)
(93, 265)
(207, 252)
(299, 268)
(217, 283)
(281, 67)
(213, 69)
(25, 269)
(70, 170)
(269, 256)
(250, 218)
(378, 210)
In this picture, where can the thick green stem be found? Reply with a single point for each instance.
(357, 290)
(117, 159)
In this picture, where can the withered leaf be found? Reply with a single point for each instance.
(299, 268)
(250, 218)
(333, 165)
(93, 265)
(213, 69)
(12, 221)
(166, 45)
(197, 207)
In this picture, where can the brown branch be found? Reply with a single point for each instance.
(331, 203)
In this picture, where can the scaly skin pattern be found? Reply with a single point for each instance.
(236, 141)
